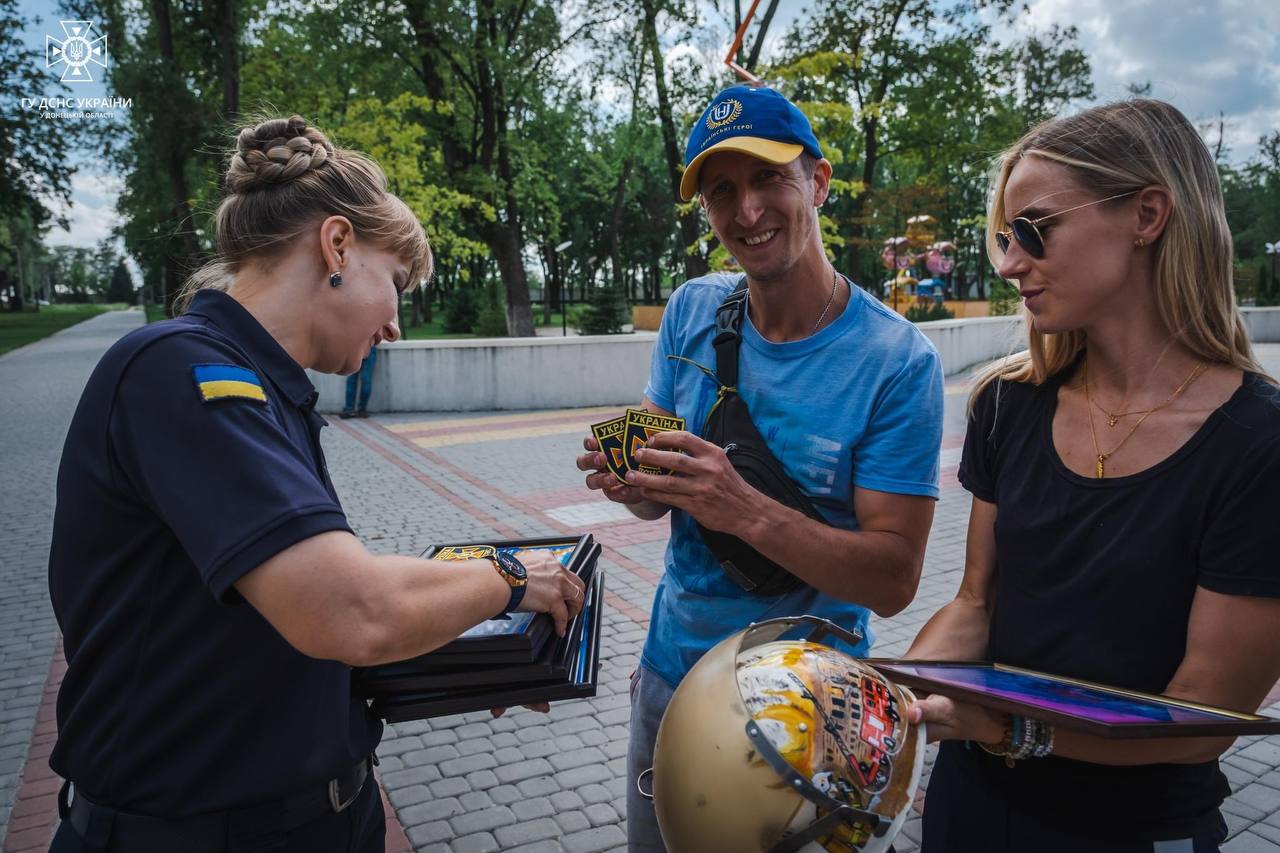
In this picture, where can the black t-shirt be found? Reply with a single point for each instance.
(1096, 578)
(193, 456)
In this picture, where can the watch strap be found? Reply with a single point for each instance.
(509, 566)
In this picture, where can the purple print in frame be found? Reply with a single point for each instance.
(1094, 708)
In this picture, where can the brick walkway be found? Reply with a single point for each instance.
(526, 782)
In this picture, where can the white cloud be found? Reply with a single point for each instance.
(92, 212)
(1203, 57)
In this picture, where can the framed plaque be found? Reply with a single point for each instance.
(574, 663)
(519, 638)
(1098, 709)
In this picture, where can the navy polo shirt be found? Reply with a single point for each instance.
(194, 456)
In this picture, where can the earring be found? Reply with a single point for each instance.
(1140, 242)
(335, 280)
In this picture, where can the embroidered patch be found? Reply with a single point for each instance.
(227, 382)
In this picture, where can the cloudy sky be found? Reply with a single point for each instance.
(1204, 56)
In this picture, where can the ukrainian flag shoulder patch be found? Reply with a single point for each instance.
(227, 382)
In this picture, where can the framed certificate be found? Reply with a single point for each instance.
(519, 638)
(575, 662)
(1098, 709)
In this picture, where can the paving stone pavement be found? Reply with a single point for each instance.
(525, 782)
(40, 385)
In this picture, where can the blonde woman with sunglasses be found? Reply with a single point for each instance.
(1124, 470)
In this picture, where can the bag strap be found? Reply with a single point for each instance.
(729, 318)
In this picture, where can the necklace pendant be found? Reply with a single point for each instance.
(1100, 471)
(1111, 420)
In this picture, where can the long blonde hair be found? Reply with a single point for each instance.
(1118, 148)
(282, 177)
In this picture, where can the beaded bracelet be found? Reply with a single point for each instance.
(1044, 741)
(1023, 738)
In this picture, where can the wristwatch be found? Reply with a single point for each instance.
(513, 572)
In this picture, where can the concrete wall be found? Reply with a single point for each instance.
(964, 343)
(1263, 324)
(487, 374)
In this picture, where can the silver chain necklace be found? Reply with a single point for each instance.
(835, 281)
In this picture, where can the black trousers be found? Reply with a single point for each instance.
(963, 814)
(360, 828)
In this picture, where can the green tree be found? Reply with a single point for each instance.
(1004, 298)
(120, 289)
(695, 263)
(606, 312)
(35, 176)
(492, 62)
(910, 96)
(179, 64)
(1252, 194)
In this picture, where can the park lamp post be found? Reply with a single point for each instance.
(564, 307)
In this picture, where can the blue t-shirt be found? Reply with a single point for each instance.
(857, 404)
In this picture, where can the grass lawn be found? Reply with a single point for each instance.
(435, 329)
(428, 331)
(24, 327)
(153, 312)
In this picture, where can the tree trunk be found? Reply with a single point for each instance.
(180, 263)
(615, 246)
(228, 56)
(508, 245)
(694, 264)
(760, 34)
(416, 301)
(505, 245)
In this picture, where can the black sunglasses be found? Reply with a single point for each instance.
(1028, 235)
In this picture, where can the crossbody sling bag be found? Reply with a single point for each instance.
(729, 425)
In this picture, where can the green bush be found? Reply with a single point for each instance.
(932, 311)
(461, 311)
(491, 323)
(606, 314)
(1003, 298)
(1266, 291)
(575, 314)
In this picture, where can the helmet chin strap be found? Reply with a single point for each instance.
(838, 813)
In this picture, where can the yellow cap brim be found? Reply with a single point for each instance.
(762, 149)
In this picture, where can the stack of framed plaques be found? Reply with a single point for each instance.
(502, 662)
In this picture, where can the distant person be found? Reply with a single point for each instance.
(364, 379)
(211, 594)
(1125, 473)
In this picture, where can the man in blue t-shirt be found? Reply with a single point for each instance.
(847, 395)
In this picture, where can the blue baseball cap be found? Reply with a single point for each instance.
(753, 120)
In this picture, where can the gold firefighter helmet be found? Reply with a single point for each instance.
(785, 747)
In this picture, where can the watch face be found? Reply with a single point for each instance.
(512, 566)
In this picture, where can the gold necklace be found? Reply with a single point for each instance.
(1114, 417)
(1101, 470)
(835, 281)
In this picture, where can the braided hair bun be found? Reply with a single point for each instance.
(275, 152)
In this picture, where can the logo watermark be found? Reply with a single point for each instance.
(77, 52)
(79, 57)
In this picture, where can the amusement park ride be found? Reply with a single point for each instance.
(902, 255)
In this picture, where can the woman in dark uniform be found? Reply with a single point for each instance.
(1124, 472)
(211, 594)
